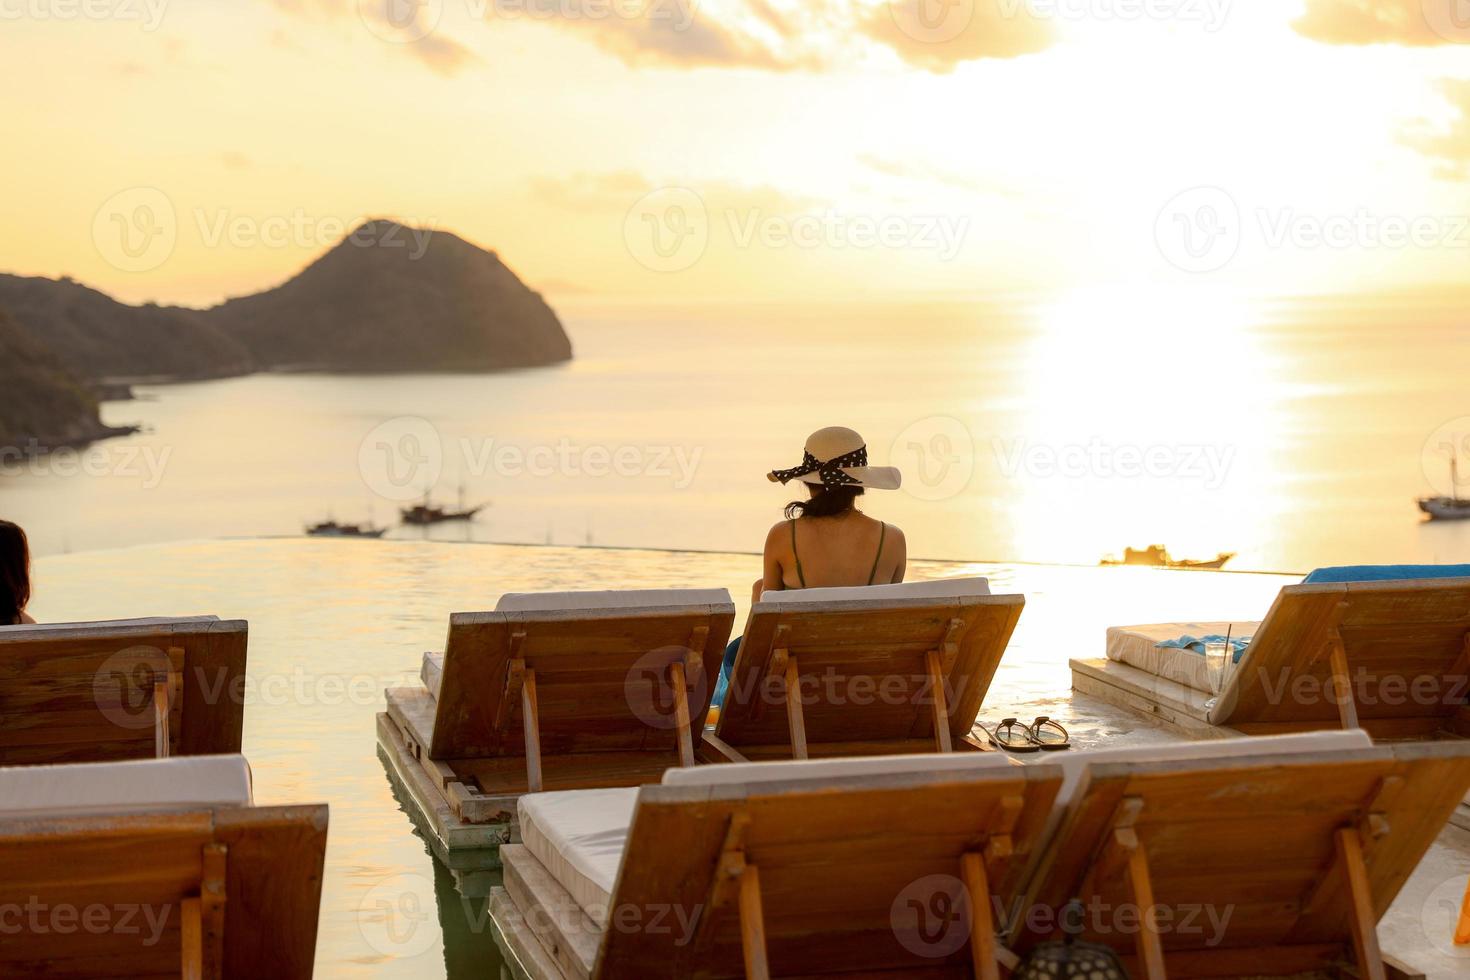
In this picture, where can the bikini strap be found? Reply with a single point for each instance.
(882, 533)
(800, 577)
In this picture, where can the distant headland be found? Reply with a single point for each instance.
(388, 298)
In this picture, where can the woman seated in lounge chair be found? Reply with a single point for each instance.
(15, 575)
(825, 541)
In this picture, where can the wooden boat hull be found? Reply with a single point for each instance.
(1445, 509)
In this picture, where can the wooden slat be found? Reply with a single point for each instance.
(587, 665)
(866, 661)
(1364, 923)
(267, 859)
(531, 719)
(1255, 836)
(982, 927)
(88, 693)
(940, 707)
(1403, 644)
(829, 873)
(753, 925)
(564, 931)
(795, 711)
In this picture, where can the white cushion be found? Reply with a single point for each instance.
(1138, 646)
(579, 837)
(1074, 762)
(862, 766)
(125, 787)
(432, 672)
(944, 588)
(610, 599)
(105, 624)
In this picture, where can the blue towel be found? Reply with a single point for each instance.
(1385, 573)
(1196, 644)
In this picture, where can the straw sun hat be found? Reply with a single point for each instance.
(838, 457)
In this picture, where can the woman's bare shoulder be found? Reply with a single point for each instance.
(779, 532)
(26, 619)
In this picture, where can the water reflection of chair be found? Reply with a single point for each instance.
(124, 689)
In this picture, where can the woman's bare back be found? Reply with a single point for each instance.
(846, 550)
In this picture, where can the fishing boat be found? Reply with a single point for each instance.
(426, 513)
(331, 529)
(1451, 508)
(1157, 556)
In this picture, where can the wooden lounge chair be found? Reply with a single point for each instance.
(896, 668)
(125, 689)
(837, 867)
(155, 868)
(1400, 650)
(1269, 857)
(551, 691)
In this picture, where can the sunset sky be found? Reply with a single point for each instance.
(745, 148)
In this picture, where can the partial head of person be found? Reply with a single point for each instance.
(835, 471)
(15, 573)
(825, 540)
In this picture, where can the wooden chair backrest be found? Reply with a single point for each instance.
(1407, 647)
(112, 893)
(855, 875)
(1252, 843)
(872, 655)
(601, 678)
(85, 692)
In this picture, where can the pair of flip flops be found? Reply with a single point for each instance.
(1043, 734)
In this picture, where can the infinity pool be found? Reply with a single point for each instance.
(332, 623)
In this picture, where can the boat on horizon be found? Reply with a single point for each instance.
(1451, 508)
(426, 513)
(332, 529)
(1157, 556)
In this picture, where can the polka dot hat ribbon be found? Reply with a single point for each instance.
(830, 471)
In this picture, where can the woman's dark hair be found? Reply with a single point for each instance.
(824, 502)
(15, 573)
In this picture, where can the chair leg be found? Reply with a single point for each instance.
(753, 925)
(531, 726)
(160, 719)
(212, 911)
(982, 926)
(941, 705)
(202, 921)
(191, 940)
(1347, 703)
(681, 714)
(795, 718)
(1462, 932)
(1150, 948)
(1365, 930)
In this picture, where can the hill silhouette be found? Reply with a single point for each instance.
(393, 298)
(388, 298)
